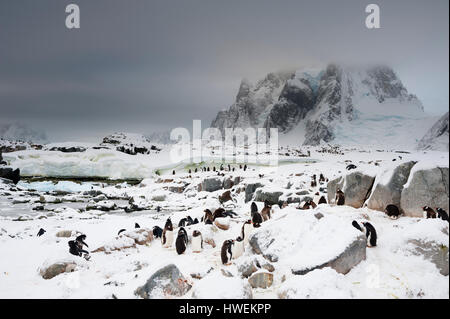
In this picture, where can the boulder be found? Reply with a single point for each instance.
(57, 269)
(271, 196)
(389, 186)
(211, 184)
(432, 251)
(356, 187)
(228, 183)
(427, 186)
(10, 174)
(250, 190)
(222, 223)
(225, 197)
(166, 282)
(261, 280)
(64, 233)
(126, 240)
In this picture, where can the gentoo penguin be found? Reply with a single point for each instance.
(340, 197)
(181, 241)
(76, 247)
(256, 217)
(195, 221)
(321, 178)
(219, 213)
(136, 225)
(121, 231)
(227, 251)
(214, 168)
(368, 230)
(167, 235)
(229, 167)
(189, 221)
(208, 219)
(266, 211)
(442, 214)
(428, 212)
(197, 241)
(392, 211)
(238, 248)
(41, 232)
(221, 167)
(322, 200)
(314, 181)
(182, 222)
(157, 231)
(246, 230)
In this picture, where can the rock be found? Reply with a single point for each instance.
(104, 206)
(349, 258)
(10, 173)
(318, 215)
(356, 187)
(141, 236)
(126, 240)
(177, 189)
(247, 266)
(64, 233)
(57, 269)
(432, 251)
(425, 187)
(228, 183)
(390, 193)
(211, 184)
(159, 198)
(166, 282)
(222, 223)
(261, 280)
(271, 197)
(250, 190)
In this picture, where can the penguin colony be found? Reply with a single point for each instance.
(234, 248)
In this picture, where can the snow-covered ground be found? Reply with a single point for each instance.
(390, 270)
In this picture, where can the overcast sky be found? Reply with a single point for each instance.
(150, 65)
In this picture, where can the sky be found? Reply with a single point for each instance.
(145, 66)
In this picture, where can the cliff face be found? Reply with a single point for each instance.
(436, 139)
(319, 101)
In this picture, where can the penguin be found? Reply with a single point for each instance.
(245, 167)
(261, 175)
(195, 221)
(340, 197)
(76, 247)
(196, 170)
(314, 181)
(41, 232)
(167, 235)
(197, 241)
(181, 241)
(257, 219)
(207, 169)
(370, 232)
(190, 171)
(358, 226)
(214, 168)
(240, 166)
(428, 212)
(208, 218)
(136, 225)
(265, 212)
(321, 178)
(226, 252)
(189, 221)
(322, 200)
(219, 213)
(157, 232)
(173, 172)
(350, 167)
(121, 231)
(221, 167)
(392, 211)
(238, 248)
(229, 168)
(182, 222)
(442, 214)
(247, 228)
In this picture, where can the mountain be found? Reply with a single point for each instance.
(348, 105)
(160, 138)
(436, 139)
(21, 132)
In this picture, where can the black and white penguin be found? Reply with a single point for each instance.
(238, 248)
(321, 178)
(428, 212)
(41, 232)
(265, 212)
(181, 241)
(219, 213)
(226, 252)
(340, 197)
(121, 231)
(197, 241)
(208, 218)
(173, 172)
(136, 225)
(196, 170)
(246, 230)
(190, 171)
(392, 211)
(189, 221)
(257, 219)
(350, 167)
(245, 167)
(195, 221)
(157, 232)
(322, 200)
(368, 229)
(442, 214)
(167, 235)
(314, 181)
(76, 247)
(182, 222)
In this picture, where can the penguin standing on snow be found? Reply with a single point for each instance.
(197, 241)
(368, 230)
(181, 241)
(136, 225)
(238, 248)
(442, 214)
(246, 230)
(157, 231)
(428, 212)
(340, 197)
(266, 211)
(256, 217)
(322, 200)
(226, 253)
(167, 235)
(41, 232)
(392, 211)
(208, 218)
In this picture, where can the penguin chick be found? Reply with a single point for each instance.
(428, 212)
